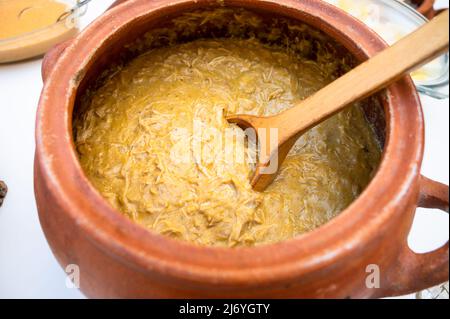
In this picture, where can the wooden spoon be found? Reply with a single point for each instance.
(418, 48)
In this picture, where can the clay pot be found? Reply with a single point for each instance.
(118, 258)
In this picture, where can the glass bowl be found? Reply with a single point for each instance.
(36, 43)
(393, 20)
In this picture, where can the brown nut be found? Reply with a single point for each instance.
(3, 191)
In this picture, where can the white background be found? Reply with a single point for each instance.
(27, 266)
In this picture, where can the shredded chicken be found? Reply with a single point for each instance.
(137, 142)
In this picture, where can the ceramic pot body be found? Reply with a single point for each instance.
(118, 258)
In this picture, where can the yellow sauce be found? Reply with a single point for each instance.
(23, 16)
(132, 131)
(29, 28)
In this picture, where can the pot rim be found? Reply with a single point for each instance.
(115, 234)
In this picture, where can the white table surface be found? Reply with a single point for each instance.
(27, 266)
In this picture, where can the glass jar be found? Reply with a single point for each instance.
(38, 41)
(393, 20)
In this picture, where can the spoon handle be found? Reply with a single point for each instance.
(418, 48)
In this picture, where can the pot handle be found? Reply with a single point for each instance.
(433, 194)
(54, 53)
(51, 57)
(415, 272)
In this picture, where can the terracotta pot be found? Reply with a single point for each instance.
(118, 258)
